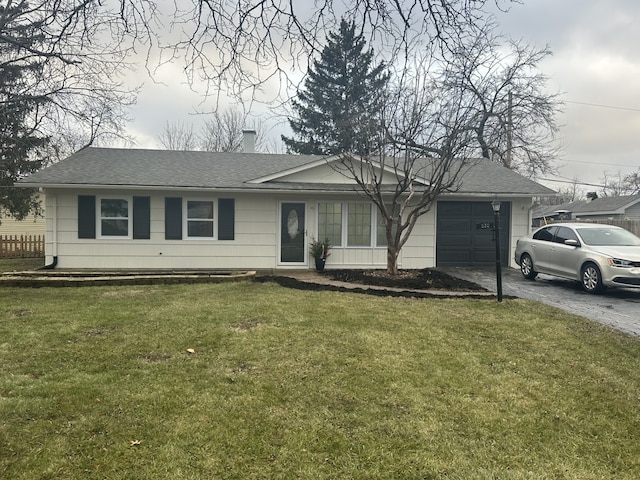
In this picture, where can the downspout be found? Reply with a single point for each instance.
(54, 234)
(530, 215)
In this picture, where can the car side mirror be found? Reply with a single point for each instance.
(572, 243)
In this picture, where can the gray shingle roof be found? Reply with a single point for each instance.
(179, 169)
(607, 205)
(597, 206)
(163, 168)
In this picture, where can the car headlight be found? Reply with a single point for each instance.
(619, 262)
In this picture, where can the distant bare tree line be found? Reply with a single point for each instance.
(221, 132)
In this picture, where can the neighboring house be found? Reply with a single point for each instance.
(31, 225)
(153, 209)
(610, 208)
(543, 214)
(598, 209)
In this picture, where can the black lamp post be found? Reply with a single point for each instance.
(495, 205)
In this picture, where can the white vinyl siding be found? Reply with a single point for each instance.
(255, 242)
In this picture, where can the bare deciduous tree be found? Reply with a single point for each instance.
(61, 64)
(178, 136)
(515, 115)
(425, 141)
(620, 185)
(565, 195)
(223, 132)
(239, 47)
(633, 182)
(81, 49)
(453, 107)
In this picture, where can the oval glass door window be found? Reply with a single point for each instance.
(292, 224)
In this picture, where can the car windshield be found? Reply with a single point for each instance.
(608, 237)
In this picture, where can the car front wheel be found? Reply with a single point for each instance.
(526, 267)
(591, 278)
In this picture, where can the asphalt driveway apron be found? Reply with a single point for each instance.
(616, 307)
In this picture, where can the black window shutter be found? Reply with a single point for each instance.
(86, 216)
(173, 218)
(141, 218)
(226, 218)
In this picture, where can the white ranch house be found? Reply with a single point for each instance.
(109, 208)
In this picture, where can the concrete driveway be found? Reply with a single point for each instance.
(617, 307)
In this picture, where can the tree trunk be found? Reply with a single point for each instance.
(392, 260)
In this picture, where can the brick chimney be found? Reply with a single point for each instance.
(248, 141)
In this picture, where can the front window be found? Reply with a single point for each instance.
(199, 218)
(381, 234)
(330, 222)
(354, 224)
(359, 225)
(114, 217)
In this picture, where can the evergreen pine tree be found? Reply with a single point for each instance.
(19, 120)
(338, 109)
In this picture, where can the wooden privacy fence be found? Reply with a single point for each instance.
(632, 225)
(13, 246)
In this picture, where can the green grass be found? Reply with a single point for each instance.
(20, 264)
(98, 382)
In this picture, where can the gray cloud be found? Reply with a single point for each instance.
(596, 61)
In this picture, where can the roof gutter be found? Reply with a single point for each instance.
(263, 190)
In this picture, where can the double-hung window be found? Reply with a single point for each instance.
(115, 216)
(199, 218)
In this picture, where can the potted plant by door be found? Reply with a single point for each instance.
(320, 251)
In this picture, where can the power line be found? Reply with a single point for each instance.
(613, 107)
(598, 163)
(572, 182)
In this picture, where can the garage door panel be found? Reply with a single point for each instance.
(455, 209)
(457, 240)
(484, 257)
(464, 235)
(481, 209)
(456, 224)
(460, 257)
(484, 241)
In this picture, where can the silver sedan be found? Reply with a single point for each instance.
(597, 256)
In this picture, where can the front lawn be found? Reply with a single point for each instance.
(20, 264)
(256, 381)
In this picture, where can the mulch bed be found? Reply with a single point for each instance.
(425, 279)
(416, 283)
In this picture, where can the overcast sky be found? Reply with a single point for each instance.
(595, 65)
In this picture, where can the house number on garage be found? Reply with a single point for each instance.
(484, 226)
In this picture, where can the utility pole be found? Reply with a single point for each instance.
(509, 130)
